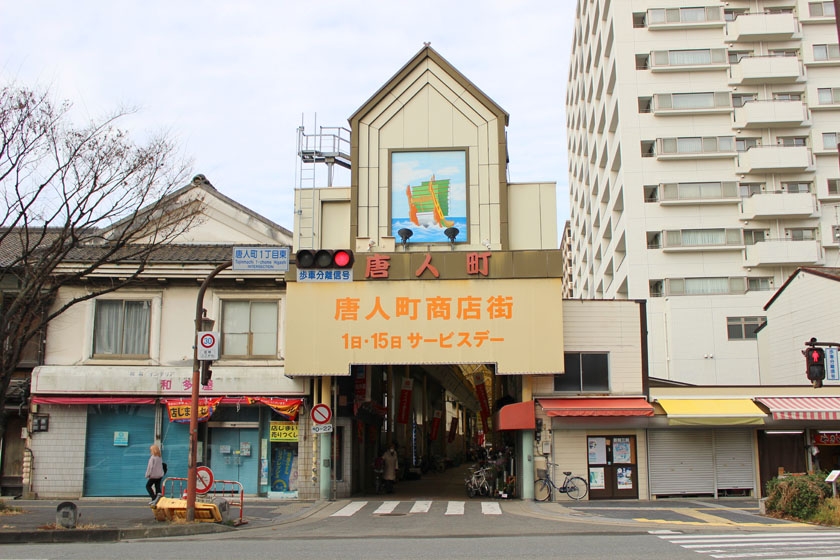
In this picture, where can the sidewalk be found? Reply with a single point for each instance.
(114, 519)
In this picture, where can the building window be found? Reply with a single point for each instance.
(744, 144)
(682, 15)
(692, 57)
(833, 187)
(787, 96)
(702, 237)
(699, 191)
(796, 187)
(829, 140)
(828, 96)
(121, 327)
(656, 287)
(747, 190)
(700, 145)
(753, 236)
(759, 284)
(739, 99)
(826, 52)
(732, 14)
(249, 329)
(682, 101)
(801, 234)
(743, 328)
(734, 57)
(821, 9)
(585, 372)
(706, 286)
(792, 141)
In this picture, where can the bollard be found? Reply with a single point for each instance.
(66, 514)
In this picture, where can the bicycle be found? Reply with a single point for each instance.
(574, 486)
(477, 483)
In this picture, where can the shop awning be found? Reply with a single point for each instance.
(803, 408)
(712, 412)
(597, 407)
(516, 416)
(92, 400)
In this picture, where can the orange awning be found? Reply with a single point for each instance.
(597, 407)
(516, 416)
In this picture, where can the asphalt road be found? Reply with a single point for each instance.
(585, 546)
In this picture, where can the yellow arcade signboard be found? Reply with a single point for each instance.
(283, 431)
(515, 323)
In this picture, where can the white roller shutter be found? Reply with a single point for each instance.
(734, 463)
(681, 462)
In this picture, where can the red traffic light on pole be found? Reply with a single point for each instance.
(324, 258)
(815, 364)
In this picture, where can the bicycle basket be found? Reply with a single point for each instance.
(541, 473)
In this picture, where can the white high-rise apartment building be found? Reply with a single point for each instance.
(703, 166)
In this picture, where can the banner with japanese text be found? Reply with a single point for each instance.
(404, 411)
(453, 429)
(514, 323)
(481, 394)
(283, 431)
(179, 411)
(435, 425)
(287, 408)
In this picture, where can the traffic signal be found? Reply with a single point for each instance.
(206, 372)
(324, 258)
(815, 361)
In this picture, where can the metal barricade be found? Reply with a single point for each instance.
(177, 488)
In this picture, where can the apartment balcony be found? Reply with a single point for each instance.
(766, 70)
(771, 113)
(777, 252)
(762, 27)
(775, 159)
(777, 205)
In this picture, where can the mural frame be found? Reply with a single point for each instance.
(436, 160)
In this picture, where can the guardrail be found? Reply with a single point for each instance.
(220, 489)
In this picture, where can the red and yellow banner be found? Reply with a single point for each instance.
(287, 408)
(481, 394)
(179, 411)
(453, 429)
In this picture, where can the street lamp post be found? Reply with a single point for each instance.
(199, 311)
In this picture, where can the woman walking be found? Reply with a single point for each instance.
(154, 472)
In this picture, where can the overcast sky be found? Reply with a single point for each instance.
(231, 81)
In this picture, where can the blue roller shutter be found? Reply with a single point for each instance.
(112, 470)
(175, 448)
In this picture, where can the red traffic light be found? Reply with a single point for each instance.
(815, 365)
(324, 258)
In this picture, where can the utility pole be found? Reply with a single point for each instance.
(837, 24)
(196, 379)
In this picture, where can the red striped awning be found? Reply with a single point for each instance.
(92, 400)
(597, 407)
(803, 408)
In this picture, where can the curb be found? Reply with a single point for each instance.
(109, 535)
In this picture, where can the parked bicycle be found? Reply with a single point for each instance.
(574, 486)
(478, 482)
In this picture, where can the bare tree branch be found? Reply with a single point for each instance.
(75, 199)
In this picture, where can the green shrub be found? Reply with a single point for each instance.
(797, 496)
(829, 512)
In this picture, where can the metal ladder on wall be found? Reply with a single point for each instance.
(329, 146)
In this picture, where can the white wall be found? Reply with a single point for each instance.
(59, 454)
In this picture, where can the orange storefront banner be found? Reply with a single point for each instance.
(180, 410)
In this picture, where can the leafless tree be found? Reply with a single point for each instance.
(73, 200)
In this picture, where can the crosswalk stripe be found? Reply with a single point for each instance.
(765, 546)
(386, 507)
(455, 508)
(421, 506)
(349, 509)
(491, 508)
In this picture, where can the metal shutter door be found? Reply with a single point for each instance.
(175, 447)
(681, 462)
(734, 459)
(112, 470)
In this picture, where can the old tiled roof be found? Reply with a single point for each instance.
(165, 254)
(12, 243)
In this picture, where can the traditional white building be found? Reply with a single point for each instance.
(703, 167)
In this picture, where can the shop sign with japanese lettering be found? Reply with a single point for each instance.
(260, 259)
(516, 323)
(283, 431)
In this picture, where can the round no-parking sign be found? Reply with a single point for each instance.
(321, 414)
(203, 479)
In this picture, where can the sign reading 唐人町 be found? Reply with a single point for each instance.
(515, 323)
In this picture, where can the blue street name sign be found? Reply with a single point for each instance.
(260, 259)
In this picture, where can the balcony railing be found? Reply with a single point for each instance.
(774, 252)
(776, 113)
(762, 27)
(778, 205)
(766, 70)
(770, 159)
